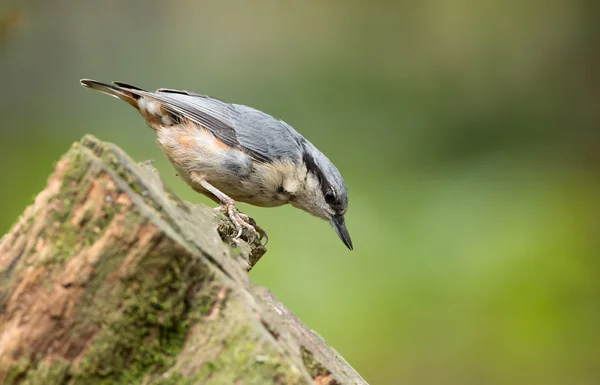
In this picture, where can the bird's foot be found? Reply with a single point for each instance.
(241, 221)
(257, 229)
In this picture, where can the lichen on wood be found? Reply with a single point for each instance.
(109, 278)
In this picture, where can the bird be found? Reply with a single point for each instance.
(235, 153)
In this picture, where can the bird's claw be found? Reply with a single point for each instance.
(241, 221)
(262, 233)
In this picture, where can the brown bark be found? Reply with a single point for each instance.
(110, 278)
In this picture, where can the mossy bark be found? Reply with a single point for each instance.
(109, 278)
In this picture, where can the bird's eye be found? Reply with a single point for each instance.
(329, 197)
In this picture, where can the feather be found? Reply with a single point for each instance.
(260, 135)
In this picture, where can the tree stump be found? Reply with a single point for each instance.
(109, 278)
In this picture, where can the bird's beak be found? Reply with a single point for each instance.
(339, 225)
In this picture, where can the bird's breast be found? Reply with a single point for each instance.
(191, 148)
(274, 183)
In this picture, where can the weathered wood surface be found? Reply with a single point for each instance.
(109, 278)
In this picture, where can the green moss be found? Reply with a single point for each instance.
(206, 300)
(145, 335)
(172, 378)
(231, 349)
(78, 167)
(244, 355)
(55, 373)
(93, 143)
(118, 162)
(66, 238)
(109, 210)
(314, 367)
(17, 372)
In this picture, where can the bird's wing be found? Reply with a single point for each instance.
(260, 135)
(266, 135)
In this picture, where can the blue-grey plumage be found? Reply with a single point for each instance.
(232, 152)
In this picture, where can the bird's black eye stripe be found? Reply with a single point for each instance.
(312, 167)
(326, 188)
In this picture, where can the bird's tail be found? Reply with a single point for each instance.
(118, 90)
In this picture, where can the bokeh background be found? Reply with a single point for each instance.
(468, 132)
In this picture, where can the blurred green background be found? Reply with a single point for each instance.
(468, 133)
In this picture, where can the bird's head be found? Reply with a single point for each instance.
(324, 193)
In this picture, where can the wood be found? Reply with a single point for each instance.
(109, 278)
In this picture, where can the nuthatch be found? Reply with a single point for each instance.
(231, 152)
